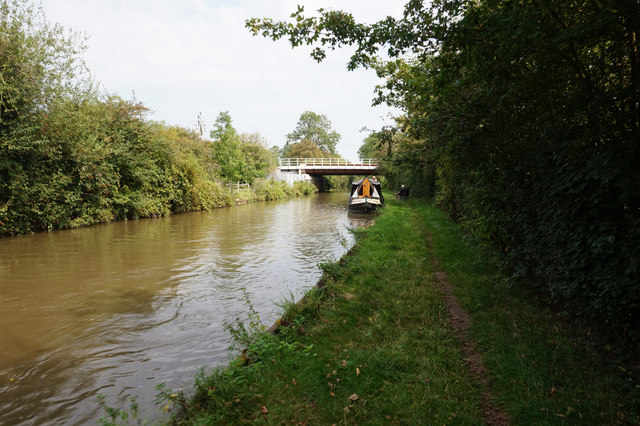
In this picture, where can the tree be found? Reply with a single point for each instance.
(276, 153)
(227, 149)
(70, 156)
(304, 149)
(37, 62)
(239, 157)
(317, 129)
(39, 68)
(258, 159)
(370, 147)
(526, 117)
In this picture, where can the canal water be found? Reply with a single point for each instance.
(117, 309)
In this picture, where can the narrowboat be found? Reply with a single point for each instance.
(365, 196)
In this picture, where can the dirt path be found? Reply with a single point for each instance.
(460, 322)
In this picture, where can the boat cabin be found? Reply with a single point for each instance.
(365, 195)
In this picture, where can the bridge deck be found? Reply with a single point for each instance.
(328, 166)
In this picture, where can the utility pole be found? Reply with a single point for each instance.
(200, 125)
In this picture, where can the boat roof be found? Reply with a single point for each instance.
(358, 182)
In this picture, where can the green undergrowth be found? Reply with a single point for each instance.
(372, 345)
(264, 190)
(271, 190)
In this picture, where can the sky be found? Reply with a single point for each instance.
(182, 58)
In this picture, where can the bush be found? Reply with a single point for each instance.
(304, 188)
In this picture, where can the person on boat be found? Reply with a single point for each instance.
(403, 193)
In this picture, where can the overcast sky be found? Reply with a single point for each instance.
(185, 57)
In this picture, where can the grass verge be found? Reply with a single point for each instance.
(373, 345)
(542, 369)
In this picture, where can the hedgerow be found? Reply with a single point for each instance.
(522, 120)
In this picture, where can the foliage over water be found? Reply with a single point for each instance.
(71, 156)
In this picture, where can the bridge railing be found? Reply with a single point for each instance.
(329, 162)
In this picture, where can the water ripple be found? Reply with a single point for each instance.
(117, 309)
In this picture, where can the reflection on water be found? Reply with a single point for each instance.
(117, 309)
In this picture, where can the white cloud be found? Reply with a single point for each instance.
(190, 56)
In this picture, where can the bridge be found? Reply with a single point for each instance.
(328, 166)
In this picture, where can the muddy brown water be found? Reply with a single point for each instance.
(117, 309)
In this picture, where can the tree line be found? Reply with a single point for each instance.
(72, 156)
(522, 120)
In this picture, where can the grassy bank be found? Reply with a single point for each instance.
(374, 344)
